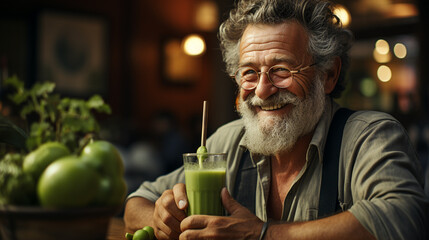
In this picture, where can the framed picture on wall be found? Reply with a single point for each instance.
(72, 52)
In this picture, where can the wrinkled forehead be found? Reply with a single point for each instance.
(289, 38)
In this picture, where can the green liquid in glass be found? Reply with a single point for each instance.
(203, 187)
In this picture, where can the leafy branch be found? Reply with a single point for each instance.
(52, 118)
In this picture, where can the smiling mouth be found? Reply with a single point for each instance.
(272, 107)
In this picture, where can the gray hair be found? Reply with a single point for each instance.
(327, 38)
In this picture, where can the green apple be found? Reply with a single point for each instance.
(36, 161)
(68, 182)
(104, 157)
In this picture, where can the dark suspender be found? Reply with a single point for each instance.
(246, 179)
(328, 200)
(245, 183)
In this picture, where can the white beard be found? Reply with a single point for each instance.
(276, 134)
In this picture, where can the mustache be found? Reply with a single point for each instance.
(282, 98)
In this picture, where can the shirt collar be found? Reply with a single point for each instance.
(256, 158)
(317, 144)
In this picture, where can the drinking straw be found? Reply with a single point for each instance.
(202, 150)
(204, 124)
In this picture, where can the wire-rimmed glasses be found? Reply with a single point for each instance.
(280, 76)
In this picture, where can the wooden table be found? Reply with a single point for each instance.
(116, 229)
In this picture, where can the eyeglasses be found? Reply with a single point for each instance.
(278, 75)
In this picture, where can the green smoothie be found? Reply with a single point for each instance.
(203, 187)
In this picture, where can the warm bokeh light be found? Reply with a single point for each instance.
(403, 10)
(343, 14)
(194, 45)
(206, 16)
(382, 46)
(384, 73)
(381, 58)
(400, 50)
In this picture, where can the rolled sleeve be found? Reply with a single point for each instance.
(387, 183)
(153, 190)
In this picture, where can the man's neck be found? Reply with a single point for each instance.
(293, 159)
(285, 167)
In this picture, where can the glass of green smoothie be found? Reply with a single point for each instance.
(205, 178)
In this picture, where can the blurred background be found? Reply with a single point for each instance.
(155, 62)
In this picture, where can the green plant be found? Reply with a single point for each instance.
(11, 134)
(16, 186)
(52, 118)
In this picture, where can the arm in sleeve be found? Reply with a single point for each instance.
(153, 190)
(386, 183)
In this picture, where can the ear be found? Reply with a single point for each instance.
(331, 77)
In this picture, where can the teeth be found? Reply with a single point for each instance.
(272, 107)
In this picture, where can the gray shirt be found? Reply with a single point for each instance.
(380, 180)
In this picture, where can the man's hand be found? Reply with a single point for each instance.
(169, 212)
(242, 224)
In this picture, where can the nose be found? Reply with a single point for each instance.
(265, 88)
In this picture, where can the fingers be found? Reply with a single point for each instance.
(167, 226)
(179, 192)
(194, 222)
(225, 194)
(229, 203)
(163, 231)
(219, 227)
(167, 203)
(239, 225)
(169, 212)
(202, 227)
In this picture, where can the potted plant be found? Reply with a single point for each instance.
(57, 178)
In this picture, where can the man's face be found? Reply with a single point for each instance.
(275, 118)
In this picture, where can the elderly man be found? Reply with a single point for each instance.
(288, 58)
